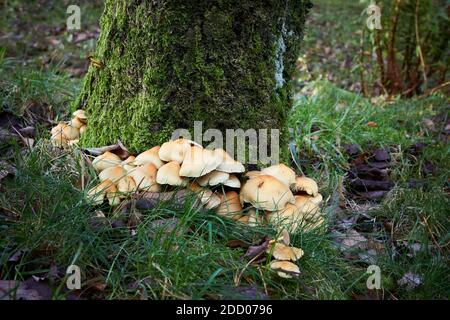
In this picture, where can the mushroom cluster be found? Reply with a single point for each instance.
(274, 195)
(284, 257)
(68, 134)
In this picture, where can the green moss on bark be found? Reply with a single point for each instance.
(169, 63)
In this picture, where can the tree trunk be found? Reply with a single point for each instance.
(163, 64)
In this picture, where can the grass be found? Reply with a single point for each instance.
(55, 227)
(420, 215)
(44, 215)
(22, 86)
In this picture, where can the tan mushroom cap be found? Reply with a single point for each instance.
(266, 193)
(288, 218)
(149, 156)
(254, 218)
(80, 114)
(106, 160)
(145, 177)
(126, 185)
(112, 195)
(283, 252)
(70, 132)
(76, 123)
(228, 164)
(282, 172)
(128, 163)
(307, 185)
(198, 162)
(213, 178)
(306, 205)
(252, 174)
(58, 129)
(317, 200)
(175, 150)
(302, 214)
(97, 193)
(59, 141)
(232, 182)
(283, 238)
(170, 174)
(207, 198)
(230, 205)
(113, 173)
(285, 269)
(83, 129)
(213, 202)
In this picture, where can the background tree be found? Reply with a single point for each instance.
(160, 65)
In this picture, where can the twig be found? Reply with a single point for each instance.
(422, 60)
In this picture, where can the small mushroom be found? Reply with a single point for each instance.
(285, 269)
(297, 215)
(228, 164)
(59, 141)
(282, 172)
(198, 162)
(252, 174)
(307, 185)
(83, 129)
(97, 193)
(58, 129)
(126, 185)
(230, 206)
(80, 114)
(232, 182)
(306, 205)
(106, 160)
(254, 218)
(128, 163)
(112, 196)
(76, 123)
(170, 174)
(317, 200)
(266, 193)
(213, 178)
(208, 198)
(145, 177)
(283, 252)
(288, 218)
(149, 156)
(175, 150)
(113, 173)
(70, 132)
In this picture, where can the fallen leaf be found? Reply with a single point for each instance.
(258, 250)
(381, 155)
(411, 280)
(237, 244)
(6, 170)
(353, 240)
(118, 149)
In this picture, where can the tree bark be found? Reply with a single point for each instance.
(163, 64)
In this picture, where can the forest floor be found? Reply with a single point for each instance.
(396, 220)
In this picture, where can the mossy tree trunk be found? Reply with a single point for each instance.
(165, 64)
